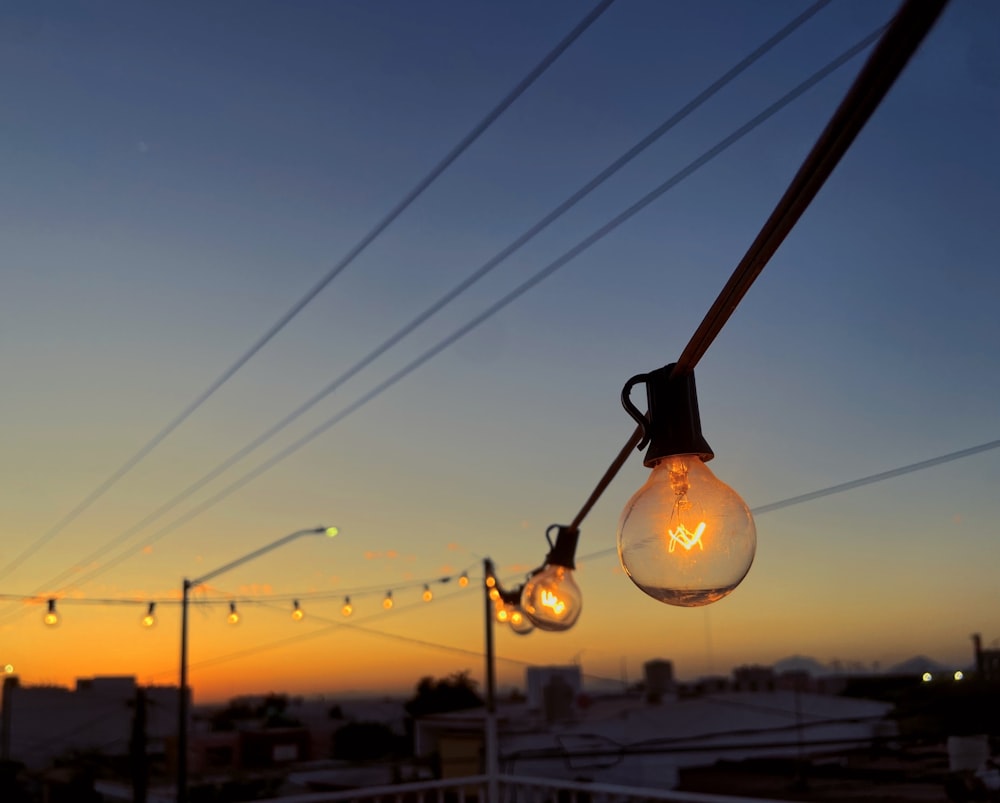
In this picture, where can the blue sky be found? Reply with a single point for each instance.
(177, 177)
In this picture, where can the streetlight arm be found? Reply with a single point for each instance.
(182, 706)
(331, 531)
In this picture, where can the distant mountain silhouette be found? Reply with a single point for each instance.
(802, 663)
(917, 665)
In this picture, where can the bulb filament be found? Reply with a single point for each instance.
(687, 539)
(550, 600)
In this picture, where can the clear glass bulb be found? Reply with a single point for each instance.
(551, 599)
(520, 623)
(348, 609)
(686, 538)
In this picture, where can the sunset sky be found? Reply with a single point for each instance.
(177, 177)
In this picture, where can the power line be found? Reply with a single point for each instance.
(536, 279)
(296, 308)
(657, 133)
(902, 38)
(852, 484)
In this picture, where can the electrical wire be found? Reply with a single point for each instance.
(848, 486)
(903, 36)
(361, 591)
(463, 145)
(639, 147)
(520, 290)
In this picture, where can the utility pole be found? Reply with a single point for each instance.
(138, 760)
(491, 741)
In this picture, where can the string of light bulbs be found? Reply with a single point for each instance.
(350, 596)
(463, 145)
(686, 538)
(586, 189)
(520, 290)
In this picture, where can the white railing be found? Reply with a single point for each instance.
(513, 789)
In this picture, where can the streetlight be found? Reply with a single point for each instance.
(182, 706)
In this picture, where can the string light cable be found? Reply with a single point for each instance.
(650, 532)
(599, 179)
(224, 597)
(519, 89)
(497, 306)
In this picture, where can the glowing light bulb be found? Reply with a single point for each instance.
(233, 618)
(520, 623)
(686, 538)
(348, 609)
(463, 581)
(927, 677)
(491, 581)
(959, 674)
(149, 620)
(51, 617)
(551, 599)
(428, 595)
(8, 669)
(387, 602)
(503, 613)
(297, 613)
(494, 593)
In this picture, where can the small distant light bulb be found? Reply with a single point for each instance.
(463, 581)
(551, 599)
(348, 609)
(959, 675)
(8, 669)
(927, 677)
(491, 581)
(428, 595)
(387, 602)
(494, 593)
(149, 620)
(297, 613)
(502, 613)
(233, 618)
(685, 538)
(51, 617)
(331, 532)
(520, 623)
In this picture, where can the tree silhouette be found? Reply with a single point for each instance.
(457, 692)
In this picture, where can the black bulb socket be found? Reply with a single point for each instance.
(671, 425)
